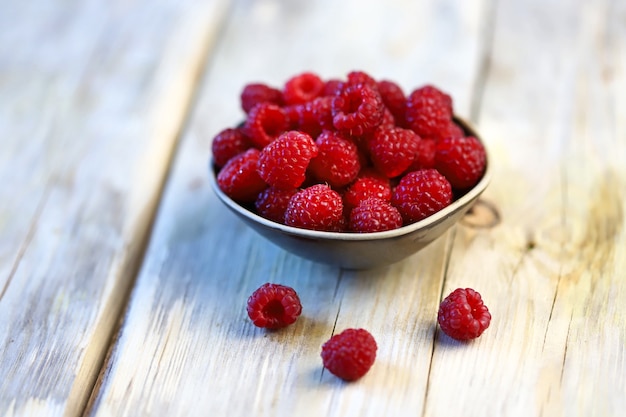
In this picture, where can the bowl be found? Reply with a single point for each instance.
(360, 250)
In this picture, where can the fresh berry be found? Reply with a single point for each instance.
(283, 163)
(368, 184)
(453, 131)
(332, 87)
(361, 77)
(374, 215)
(425, 155)
(420, 194)
(428, 112)
(273, 306)
(256, 93)
(462, 314)
(302, 88)
(272, 203)
(394, 100)
(337, 162)
(227, 144)
(322, 108)
(264, 123)
(357, 110)
(317, 207)
(461, 160)
(349, 354)
(392, 150)
(239, 179)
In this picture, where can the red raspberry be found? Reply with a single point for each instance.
(273, 306)
(388, 122)
(264, 123)
(369, 183)
(392, 150)
(394, 100)
(349, 354)
(361, 77)
(254, 94)
(462, 314)
(312, 117)
(428, 112)
(239, 179)
(461, 160)
(453, 131)
(420, 194)
(357, 110)
(227, 144)
(374, 215)
(302, 88)
(425, 155)
(283, 163)
(337, 162)
(317, 207)
(322, 108)
(272, 203)
(332, 87)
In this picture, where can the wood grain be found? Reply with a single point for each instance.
(551, 270)
(92, 97)
(187, 347)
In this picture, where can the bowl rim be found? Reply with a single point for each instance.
(433, 219)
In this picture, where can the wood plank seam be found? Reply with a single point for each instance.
(197, 81)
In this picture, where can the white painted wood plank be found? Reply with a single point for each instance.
(187, 347)
(552, 271)
(92, 97)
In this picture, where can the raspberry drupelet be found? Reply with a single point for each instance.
(273, 306)
(369, 184)
(350, 354)
(463, 315)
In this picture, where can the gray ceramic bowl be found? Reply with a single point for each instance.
(360, 250)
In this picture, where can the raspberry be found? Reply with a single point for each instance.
(337, 162)
(392, 150)
(453, 131)
(462, 314)
(317, 207)
(425, 155)
(312, 117)
(272, 203)
(254, 94)
(332, 87)
(420, 194)
(239, 179)
(264, 123)
(357, 110)
(227, 144)
(283, 163)
(322, 108)
(273, 306)
(369, 183)
(349, 354)
(428, 112)
(461, 160)
(361, 77)
(394, 99)
(374, 215)
(302, 88)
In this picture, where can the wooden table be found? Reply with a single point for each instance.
(123, 281)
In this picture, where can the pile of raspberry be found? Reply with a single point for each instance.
(349, 155)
